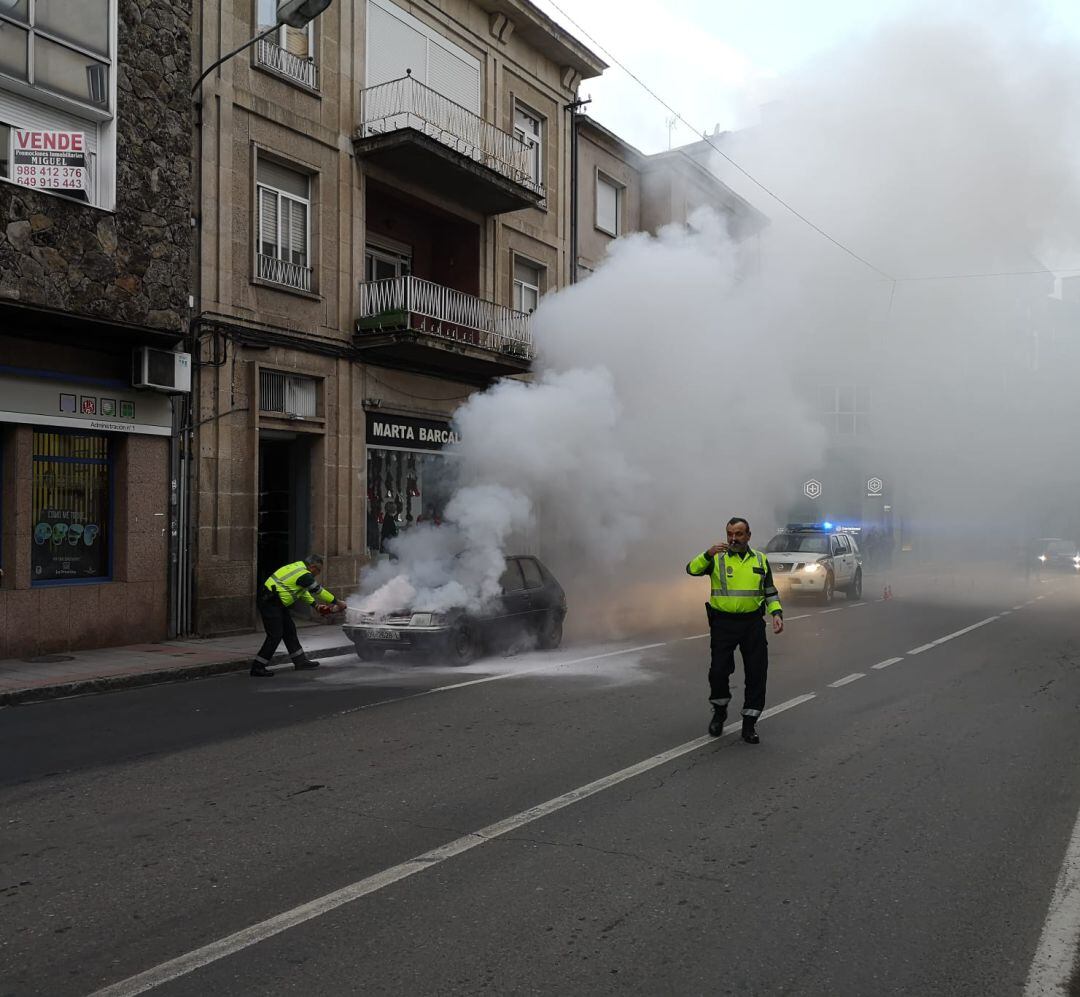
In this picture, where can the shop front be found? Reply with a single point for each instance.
(410, 475)
(84, 512)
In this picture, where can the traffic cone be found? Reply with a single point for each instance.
(888, 592)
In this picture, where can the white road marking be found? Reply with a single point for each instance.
(856, 605)
(791, 619)
(887, 662)
(255, 933)
(847, 679)
(824, 612)
(1053, 963)
(1016, 609)
(1005, 612)
(953, 636)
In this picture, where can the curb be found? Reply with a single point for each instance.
(183, 673)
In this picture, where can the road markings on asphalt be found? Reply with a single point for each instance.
(826, 611)
(886, 663)
(252, 935)
(856, 605)
(953, 636)
(1052, 966)
(847, 679)
(1016, 609)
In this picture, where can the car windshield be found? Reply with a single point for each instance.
(790, 543)
(1061, 547)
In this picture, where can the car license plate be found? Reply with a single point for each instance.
(383, 635)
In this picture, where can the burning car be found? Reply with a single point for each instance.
(531, 605)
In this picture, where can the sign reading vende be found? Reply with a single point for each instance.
(50, 161)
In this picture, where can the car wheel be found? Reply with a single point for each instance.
(463, 644)
(369, 653)
(855, 591)
(825, 596)
(550, 636)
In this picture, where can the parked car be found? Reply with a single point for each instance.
(817, 561)
(1053, 554)
(532, 606)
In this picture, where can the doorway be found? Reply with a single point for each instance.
(284, 500)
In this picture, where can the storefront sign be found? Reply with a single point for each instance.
(54, 161)
(403, 432)
(38, 401)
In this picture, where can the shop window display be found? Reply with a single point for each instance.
(410, 487)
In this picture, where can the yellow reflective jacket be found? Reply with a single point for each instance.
(740, 583)
(295, 581)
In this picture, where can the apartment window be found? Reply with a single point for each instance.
(287, 51)
(845, 409)
(288, 394)
(71, 507)
(284, 226)
(385, 262)
(527, 277)
(528, 128)
(609, 197)
(56, 76)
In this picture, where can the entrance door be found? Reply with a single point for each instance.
(284, 501)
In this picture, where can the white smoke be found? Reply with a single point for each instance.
(670, 389)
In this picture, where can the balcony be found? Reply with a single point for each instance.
(421, 136)
(418, 325)
(290, 275)
(285, 63)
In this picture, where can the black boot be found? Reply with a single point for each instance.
(749, 730)
(260, 671)
(305, 663)
(716, 725)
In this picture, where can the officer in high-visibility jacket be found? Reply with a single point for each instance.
(742, 592)
(299, 580)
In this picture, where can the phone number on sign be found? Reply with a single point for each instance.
(50, 176)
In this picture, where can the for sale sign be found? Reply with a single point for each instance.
(52, 161)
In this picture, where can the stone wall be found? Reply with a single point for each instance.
(131, 265)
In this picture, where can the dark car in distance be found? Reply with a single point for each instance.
(1053, 554)
(531, 607)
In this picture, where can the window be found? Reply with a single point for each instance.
(845, 409)
(71, 507)
(528, 128)
(284, 235)
(287, 394)
(608, 205)
(56, 75)
(385, 263)
(511, 580)
(288, 51)
(527, 278)
(531, 570)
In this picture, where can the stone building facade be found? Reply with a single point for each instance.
(384, 197)
(92, 269)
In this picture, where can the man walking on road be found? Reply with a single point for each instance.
(742, 591)
(299, 580)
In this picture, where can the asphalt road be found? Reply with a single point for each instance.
(897, 833)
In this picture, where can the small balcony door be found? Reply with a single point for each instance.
(383, 262)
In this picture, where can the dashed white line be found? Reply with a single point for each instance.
(252, 935)
(887, 662)
(1016, 609)
(856, 605)
(847, 680)
(825, 612)
(922, 647)
(952, 636)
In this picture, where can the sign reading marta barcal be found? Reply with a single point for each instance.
(50, 161)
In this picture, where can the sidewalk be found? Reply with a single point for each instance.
(73, 673)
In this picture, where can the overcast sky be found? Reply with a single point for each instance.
(714, 60)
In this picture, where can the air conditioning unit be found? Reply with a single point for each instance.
(161, 370)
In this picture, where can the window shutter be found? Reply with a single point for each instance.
(298, 247)
(453, 77)
(284, 179)
(607, 206)
(268, 222)
(393, 47)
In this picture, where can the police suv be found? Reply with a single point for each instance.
(817, 560)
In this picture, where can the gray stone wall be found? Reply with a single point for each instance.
(131, 265)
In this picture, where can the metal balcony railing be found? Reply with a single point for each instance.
(408, 103)
(283, 61)
(446, 313)
(283, 272)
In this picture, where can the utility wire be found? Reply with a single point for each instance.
(706, 138)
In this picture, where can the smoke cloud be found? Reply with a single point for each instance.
(682, 382)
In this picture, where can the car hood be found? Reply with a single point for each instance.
(799, 557)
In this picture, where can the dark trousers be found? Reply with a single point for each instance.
(278, 624)
(746, 632)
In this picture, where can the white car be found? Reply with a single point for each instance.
(815, 561)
